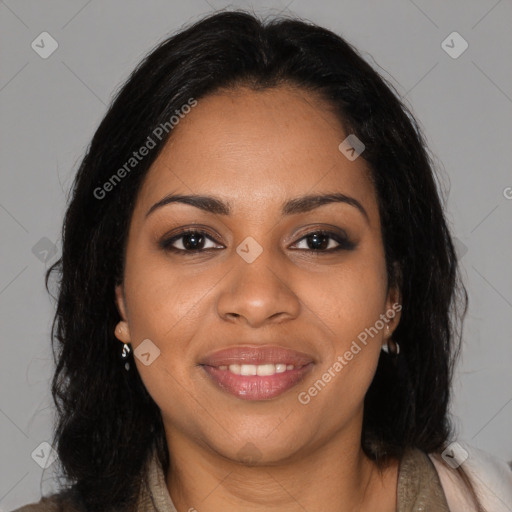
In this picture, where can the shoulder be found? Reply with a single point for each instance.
(490, 476)
(61, 502)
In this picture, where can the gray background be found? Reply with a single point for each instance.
(50, 108)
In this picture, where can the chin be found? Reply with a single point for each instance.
(263, 450)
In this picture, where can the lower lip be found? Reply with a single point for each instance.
(255, 387)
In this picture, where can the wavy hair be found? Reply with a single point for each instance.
(107, 423)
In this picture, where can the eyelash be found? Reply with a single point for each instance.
(343, 241)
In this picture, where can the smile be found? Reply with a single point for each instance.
(257, 373)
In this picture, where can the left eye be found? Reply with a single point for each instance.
(322, 241)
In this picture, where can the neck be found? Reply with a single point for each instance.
(335, 476)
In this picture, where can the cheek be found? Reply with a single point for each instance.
(350, 298)
(352, 301)
(167, 308)
(163, 302)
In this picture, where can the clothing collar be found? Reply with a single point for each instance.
(154, 496)
(419, 486)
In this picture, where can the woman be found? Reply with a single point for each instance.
(259, 300)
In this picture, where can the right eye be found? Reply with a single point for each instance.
(188, 241)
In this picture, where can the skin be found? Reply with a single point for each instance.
(256, 150)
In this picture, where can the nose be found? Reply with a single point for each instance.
(258, 293)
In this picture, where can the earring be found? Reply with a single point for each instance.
(124, 355)
(391, 347)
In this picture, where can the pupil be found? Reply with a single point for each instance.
(319, 241)
(192, 240)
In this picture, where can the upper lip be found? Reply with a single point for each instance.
(266, 354)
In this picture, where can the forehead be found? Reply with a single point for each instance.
(256, 148)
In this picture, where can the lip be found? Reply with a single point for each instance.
(256, 355)
(256, 387)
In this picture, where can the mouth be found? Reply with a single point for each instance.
(257, 373)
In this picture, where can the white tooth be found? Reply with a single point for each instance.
(235, 368)
(248, 369)
(261, 369)
(266, 369)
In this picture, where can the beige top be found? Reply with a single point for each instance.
(419, 488)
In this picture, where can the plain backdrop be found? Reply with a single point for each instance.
(50, 108)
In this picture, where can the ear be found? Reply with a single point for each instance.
(122, 331)
(120, 302)
(394, 303)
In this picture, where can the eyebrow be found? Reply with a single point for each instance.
(294, 206)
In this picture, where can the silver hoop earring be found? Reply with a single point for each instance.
(391, 347)
(124, 355)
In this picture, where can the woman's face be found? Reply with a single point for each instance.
(301, 309)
